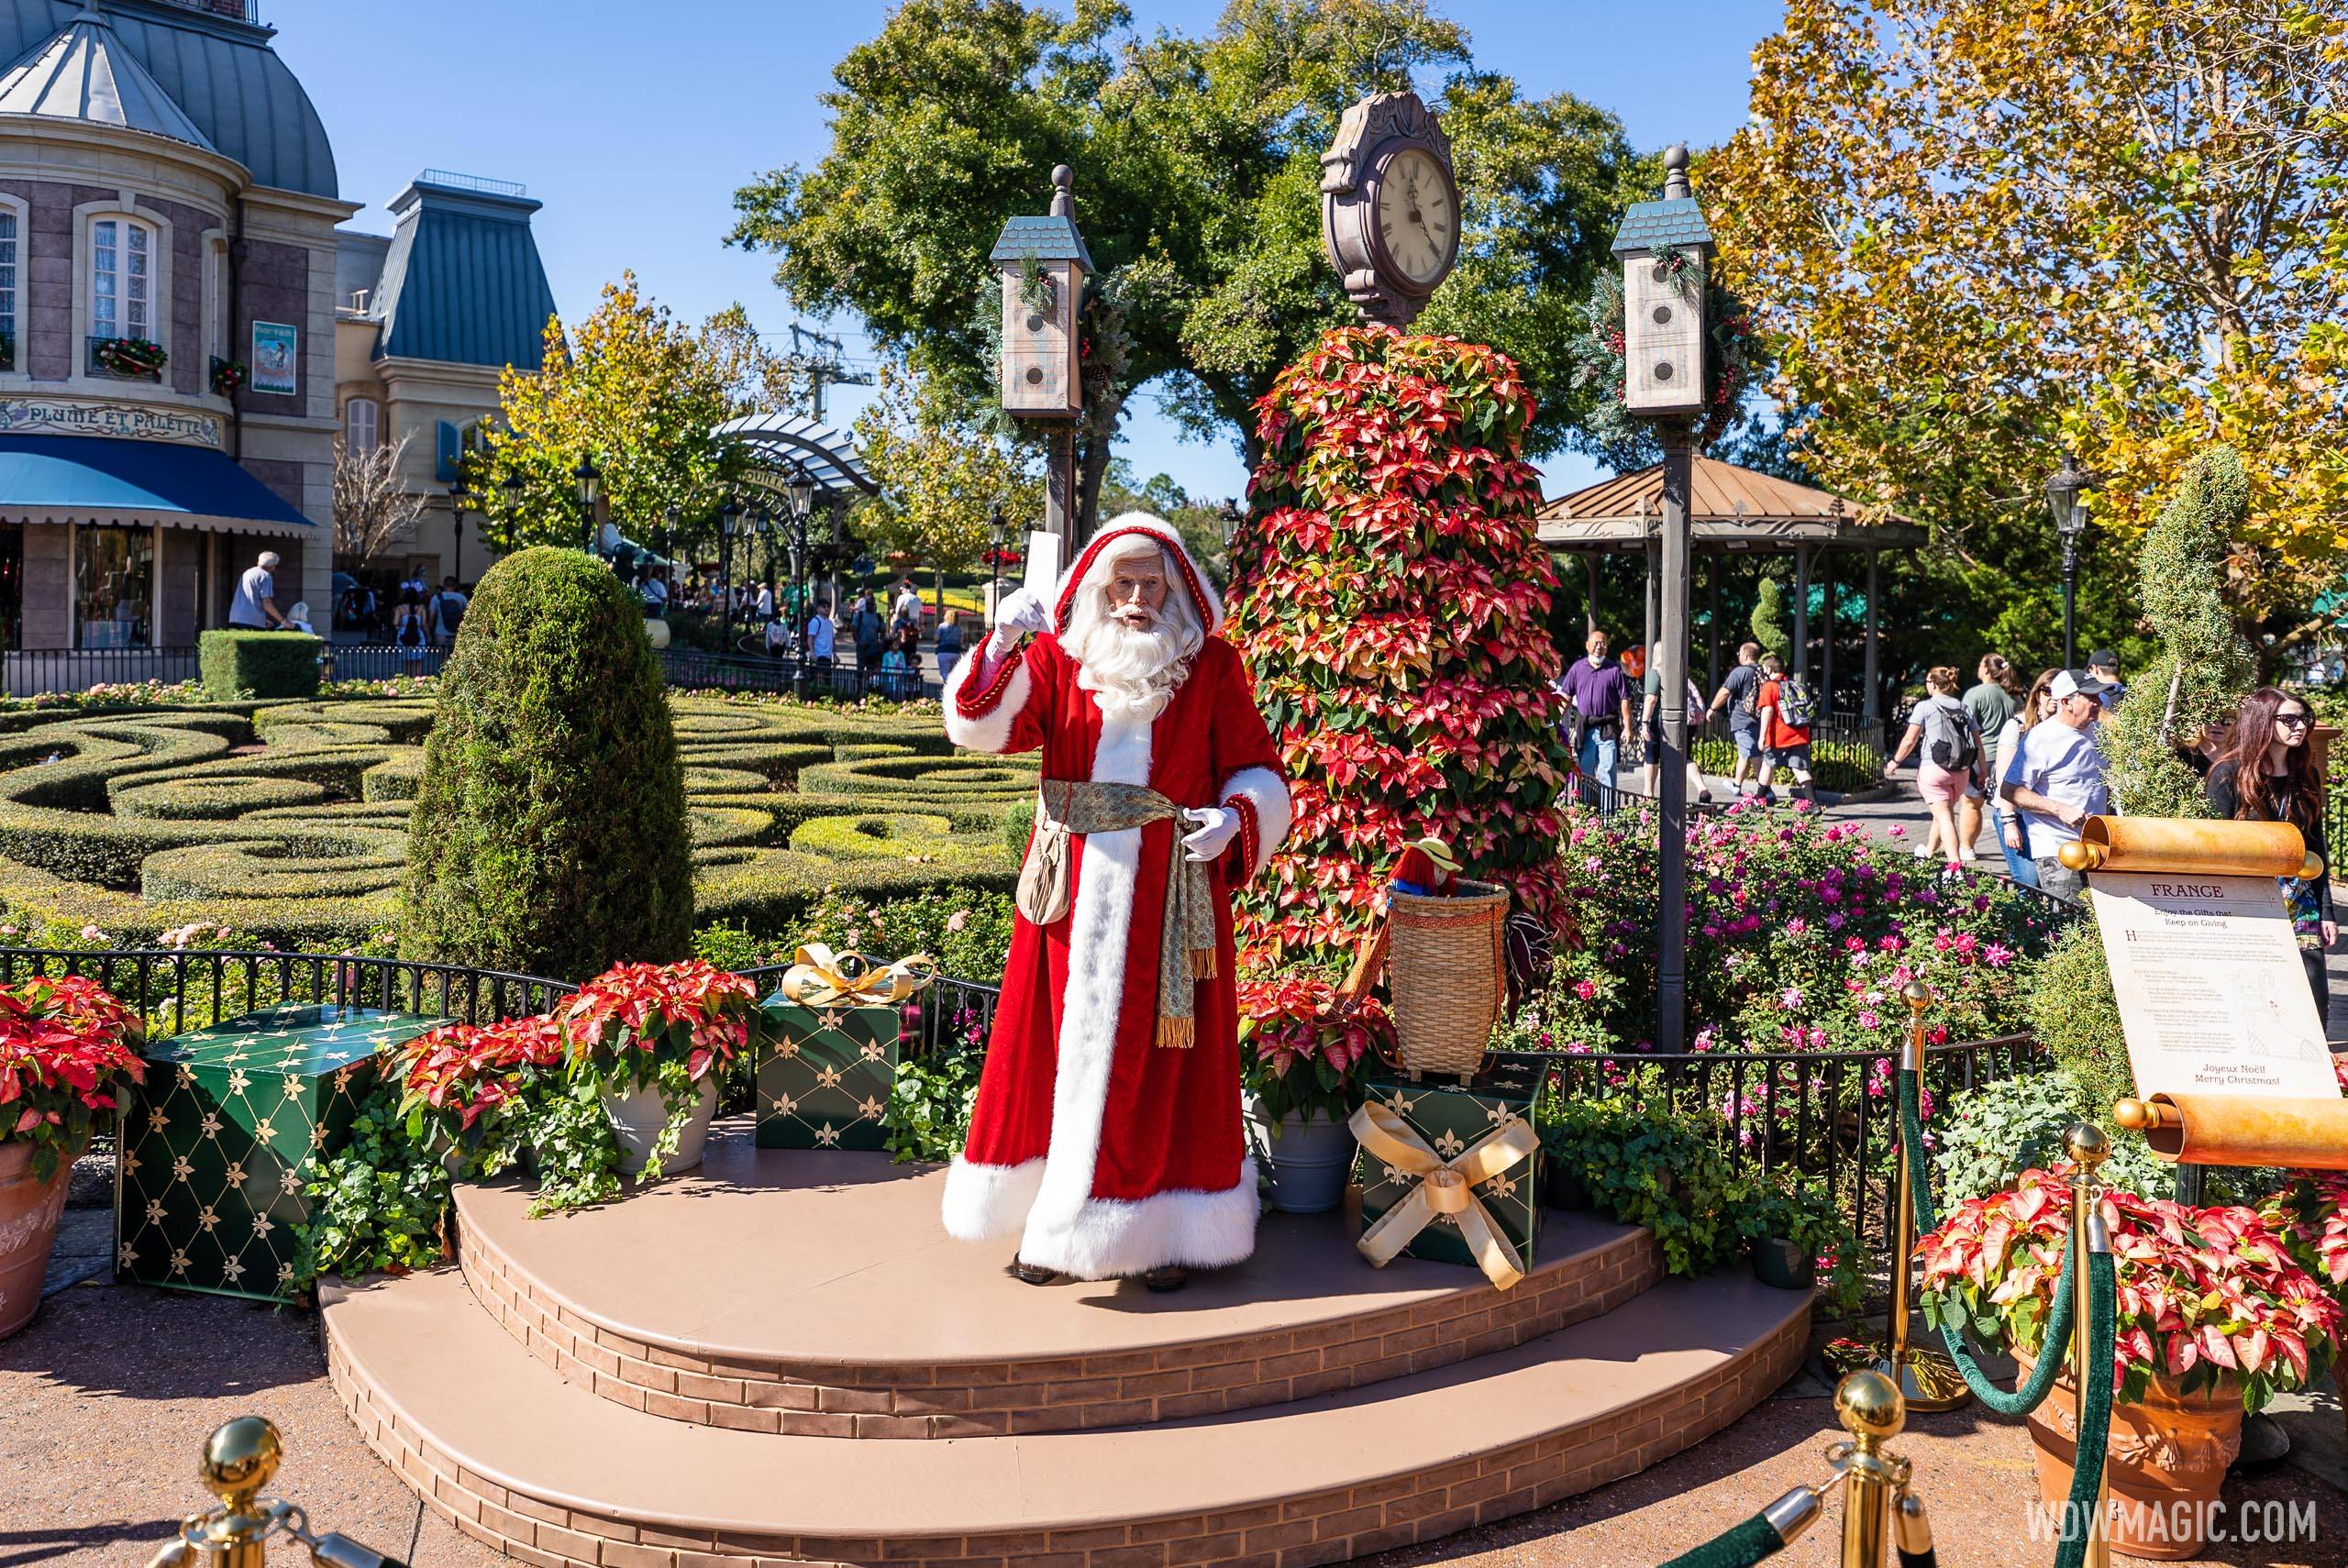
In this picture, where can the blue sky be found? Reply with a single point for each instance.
(633, 124)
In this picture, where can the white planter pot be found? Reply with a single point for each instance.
(636, 1118)
(1308, 1162)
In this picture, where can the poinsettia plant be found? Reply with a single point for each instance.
(460, 1084)
(66, 1046)
(1390, 595)
(2211, 1299)
(1302, 1042)
(2311, 1216)
(665, 1026)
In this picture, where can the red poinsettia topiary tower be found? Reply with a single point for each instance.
(1390, 595)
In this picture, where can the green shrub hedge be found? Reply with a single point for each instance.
(138, 822)
(549, 827)
(259, 664)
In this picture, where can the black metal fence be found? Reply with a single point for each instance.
(1829, 1114)
(183, 989)
(694, 669)
(381, 661)
(38, 672)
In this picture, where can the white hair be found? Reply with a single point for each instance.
(269, 558)
(1124, 667)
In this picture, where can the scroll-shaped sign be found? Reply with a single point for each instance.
(2213, 993)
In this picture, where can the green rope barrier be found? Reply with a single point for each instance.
(2030, 1394)
(1740, 1547)
(2095, 1410)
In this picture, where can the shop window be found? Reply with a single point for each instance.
(8, 288)
(122, 278)
(360, 418)
(114, 586)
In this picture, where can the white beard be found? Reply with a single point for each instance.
(1129, 671)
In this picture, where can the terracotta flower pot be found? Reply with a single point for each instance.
(28, 1212)
(2167, 1457)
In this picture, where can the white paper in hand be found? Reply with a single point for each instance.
(1043, 565)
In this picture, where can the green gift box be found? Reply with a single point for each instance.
(221, 1144)
(1452, 1118)
(824, 1073)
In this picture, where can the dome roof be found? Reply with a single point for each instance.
(219, 71)
(85, 73)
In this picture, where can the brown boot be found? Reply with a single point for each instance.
(1032, 1274)
(1173, 1276)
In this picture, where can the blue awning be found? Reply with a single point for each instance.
(102, 479)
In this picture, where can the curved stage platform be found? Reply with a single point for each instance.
(712, 1373)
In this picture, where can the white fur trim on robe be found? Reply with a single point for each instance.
(1268, 793)
(986, 1202)
(990, 732)
(1062, 1226)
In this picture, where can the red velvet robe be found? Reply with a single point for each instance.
(1105, 1153)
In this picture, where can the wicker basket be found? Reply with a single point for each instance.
(1446, 973)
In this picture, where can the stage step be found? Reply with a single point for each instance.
(813, 1293)
(555, 1475)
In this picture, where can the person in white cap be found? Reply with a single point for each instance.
(2055, 778)
(254, 607)
(1107, 1132)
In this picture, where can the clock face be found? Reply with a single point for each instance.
(1416, 217)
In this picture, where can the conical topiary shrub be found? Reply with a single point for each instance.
(2204, 667)
(549, 833)
(1391, 596)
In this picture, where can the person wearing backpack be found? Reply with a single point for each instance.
(448, 611)
(1786, 708)
(1740, 695)
(1950, 764)
(408, 633)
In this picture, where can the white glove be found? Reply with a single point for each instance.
(1217, 828)
(1019, 614)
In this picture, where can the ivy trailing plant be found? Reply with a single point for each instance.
(1390, 596)
(931, 1102)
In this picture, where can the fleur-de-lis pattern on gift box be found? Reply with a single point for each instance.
(222, 1145)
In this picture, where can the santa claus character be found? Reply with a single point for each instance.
(1107, 1134)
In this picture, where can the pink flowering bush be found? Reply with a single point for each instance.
(1801, 936)
(2211, 1299)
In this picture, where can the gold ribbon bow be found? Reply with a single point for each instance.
(822, 977)
(1446, 1186)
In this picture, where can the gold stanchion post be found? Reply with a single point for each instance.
(240, 1459)
(1928, 1380)
(2088, 1149)
(1872, 1411)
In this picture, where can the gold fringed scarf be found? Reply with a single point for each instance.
(1186, 936)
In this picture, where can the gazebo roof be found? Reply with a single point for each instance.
(1730, 508)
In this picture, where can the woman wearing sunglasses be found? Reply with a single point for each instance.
(2267, 773)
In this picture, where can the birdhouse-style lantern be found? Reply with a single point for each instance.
(1043, 266)
(1665, 250)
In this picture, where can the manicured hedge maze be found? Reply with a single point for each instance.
(289, 821)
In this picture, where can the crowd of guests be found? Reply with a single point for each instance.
(1769, 711)
(885, 631)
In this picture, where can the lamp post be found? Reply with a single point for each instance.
(512, 486)
(1664, 248)
(729, 522)
(458, 496)
(2070, 514)
(591, 491)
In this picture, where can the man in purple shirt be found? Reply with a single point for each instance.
(1600, 693)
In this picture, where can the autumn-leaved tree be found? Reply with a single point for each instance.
(1198, 175)
(943, 478)
(1985, 232)
(638, 392)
